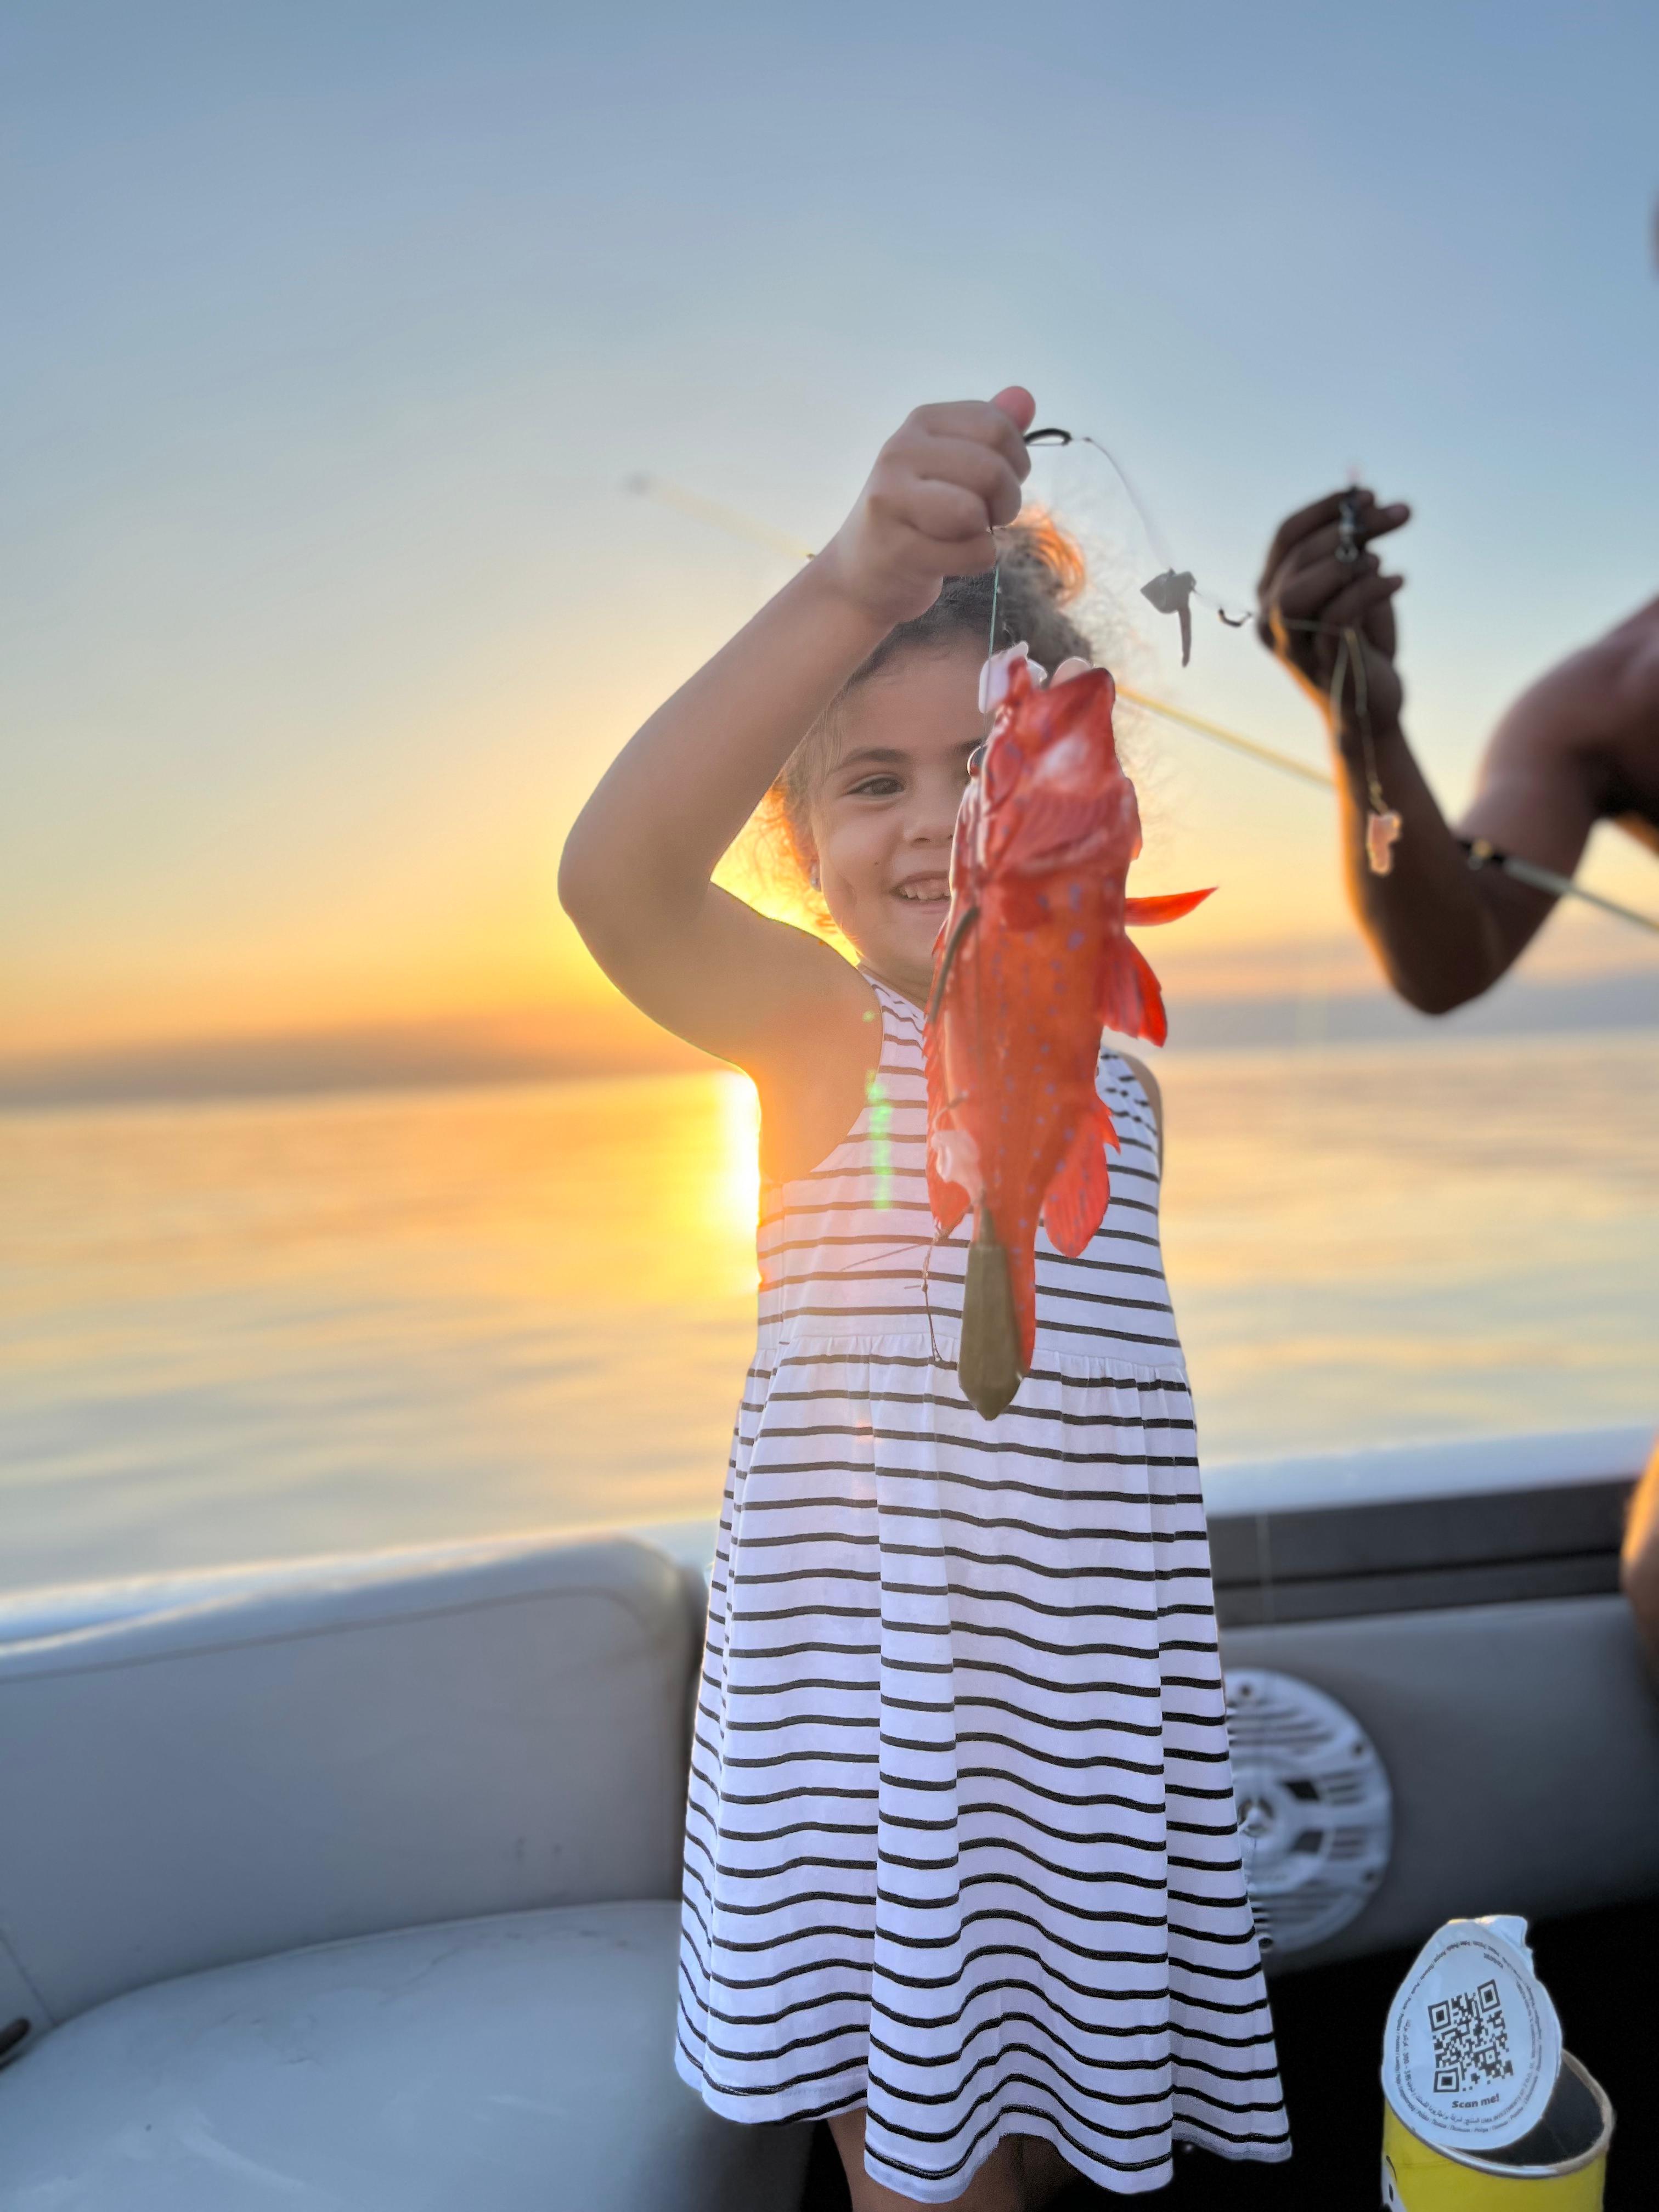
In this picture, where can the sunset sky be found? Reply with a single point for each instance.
(336, 331)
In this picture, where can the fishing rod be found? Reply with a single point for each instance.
(1252, 748)
(728, 519)
(1482, 854)
(739, 525)
(1479, 851)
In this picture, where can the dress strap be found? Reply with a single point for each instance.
(895, 1002)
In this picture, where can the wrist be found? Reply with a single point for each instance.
(874, 605)
(1348, 735)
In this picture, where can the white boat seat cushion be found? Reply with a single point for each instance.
(518, 2063)
(367, 1745)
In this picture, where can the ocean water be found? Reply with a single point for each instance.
(243, 1331)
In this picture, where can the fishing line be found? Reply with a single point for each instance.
(1383, 825)
(929, 1245)
(949, 961)
(1173, 591)
(940, 1237)
(1479, 853)
(1252, 748)
(1054, 435)
(1482, 854)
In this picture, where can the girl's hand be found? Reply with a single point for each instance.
(1309, 598)
(939, 485)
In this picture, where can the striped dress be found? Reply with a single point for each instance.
(961, 1843)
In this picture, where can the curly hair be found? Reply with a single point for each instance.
(1041, 573)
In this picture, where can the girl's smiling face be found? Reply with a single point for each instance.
(882, 815)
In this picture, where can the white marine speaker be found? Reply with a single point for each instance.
(1316, 1814)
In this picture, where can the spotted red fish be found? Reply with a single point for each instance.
(1032, 965)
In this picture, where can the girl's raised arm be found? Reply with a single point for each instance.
(634, 877)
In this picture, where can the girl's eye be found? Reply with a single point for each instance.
(875, 787)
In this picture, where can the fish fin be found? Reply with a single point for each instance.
(1056, 821)
(949, 1203)
(948, 1200)
(1130, 1000)
(1165, 906)
(1076, 1198)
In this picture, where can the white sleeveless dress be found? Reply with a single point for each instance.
(961, 1843)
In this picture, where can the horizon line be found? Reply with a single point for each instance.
(471, 1051)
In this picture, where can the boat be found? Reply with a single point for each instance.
(349, 1884)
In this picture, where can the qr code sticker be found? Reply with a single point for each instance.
(1471, 2041)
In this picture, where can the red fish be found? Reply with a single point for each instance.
(1032, 965)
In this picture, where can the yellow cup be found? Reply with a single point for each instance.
(1560, 2166)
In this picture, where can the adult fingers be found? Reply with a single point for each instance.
(1349, 609)
(1309, 605)
(1380, 629)
(1301, 646)
(1299, 593)
(1295, 527)
(1319, 545)
(1312, 530)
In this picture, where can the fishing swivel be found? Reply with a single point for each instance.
(1173, 591)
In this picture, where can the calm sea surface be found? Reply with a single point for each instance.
(245, 1331)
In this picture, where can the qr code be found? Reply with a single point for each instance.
(1471, 2043)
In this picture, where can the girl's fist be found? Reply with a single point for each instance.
(941, 485)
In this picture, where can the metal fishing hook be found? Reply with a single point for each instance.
(1173, 591)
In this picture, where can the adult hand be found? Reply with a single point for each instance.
(941, 484)
(1307, 597)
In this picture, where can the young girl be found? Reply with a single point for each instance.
(961, 1869)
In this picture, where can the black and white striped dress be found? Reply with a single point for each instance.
(961, 1843)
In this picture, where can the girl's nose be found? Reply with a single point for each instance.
(932, 817)
(933, 827)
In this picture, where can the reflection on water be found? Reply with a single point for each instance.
(240, 1331)
(1375, 1242)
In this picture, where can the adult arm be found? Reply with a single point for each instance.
(1560, 758)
